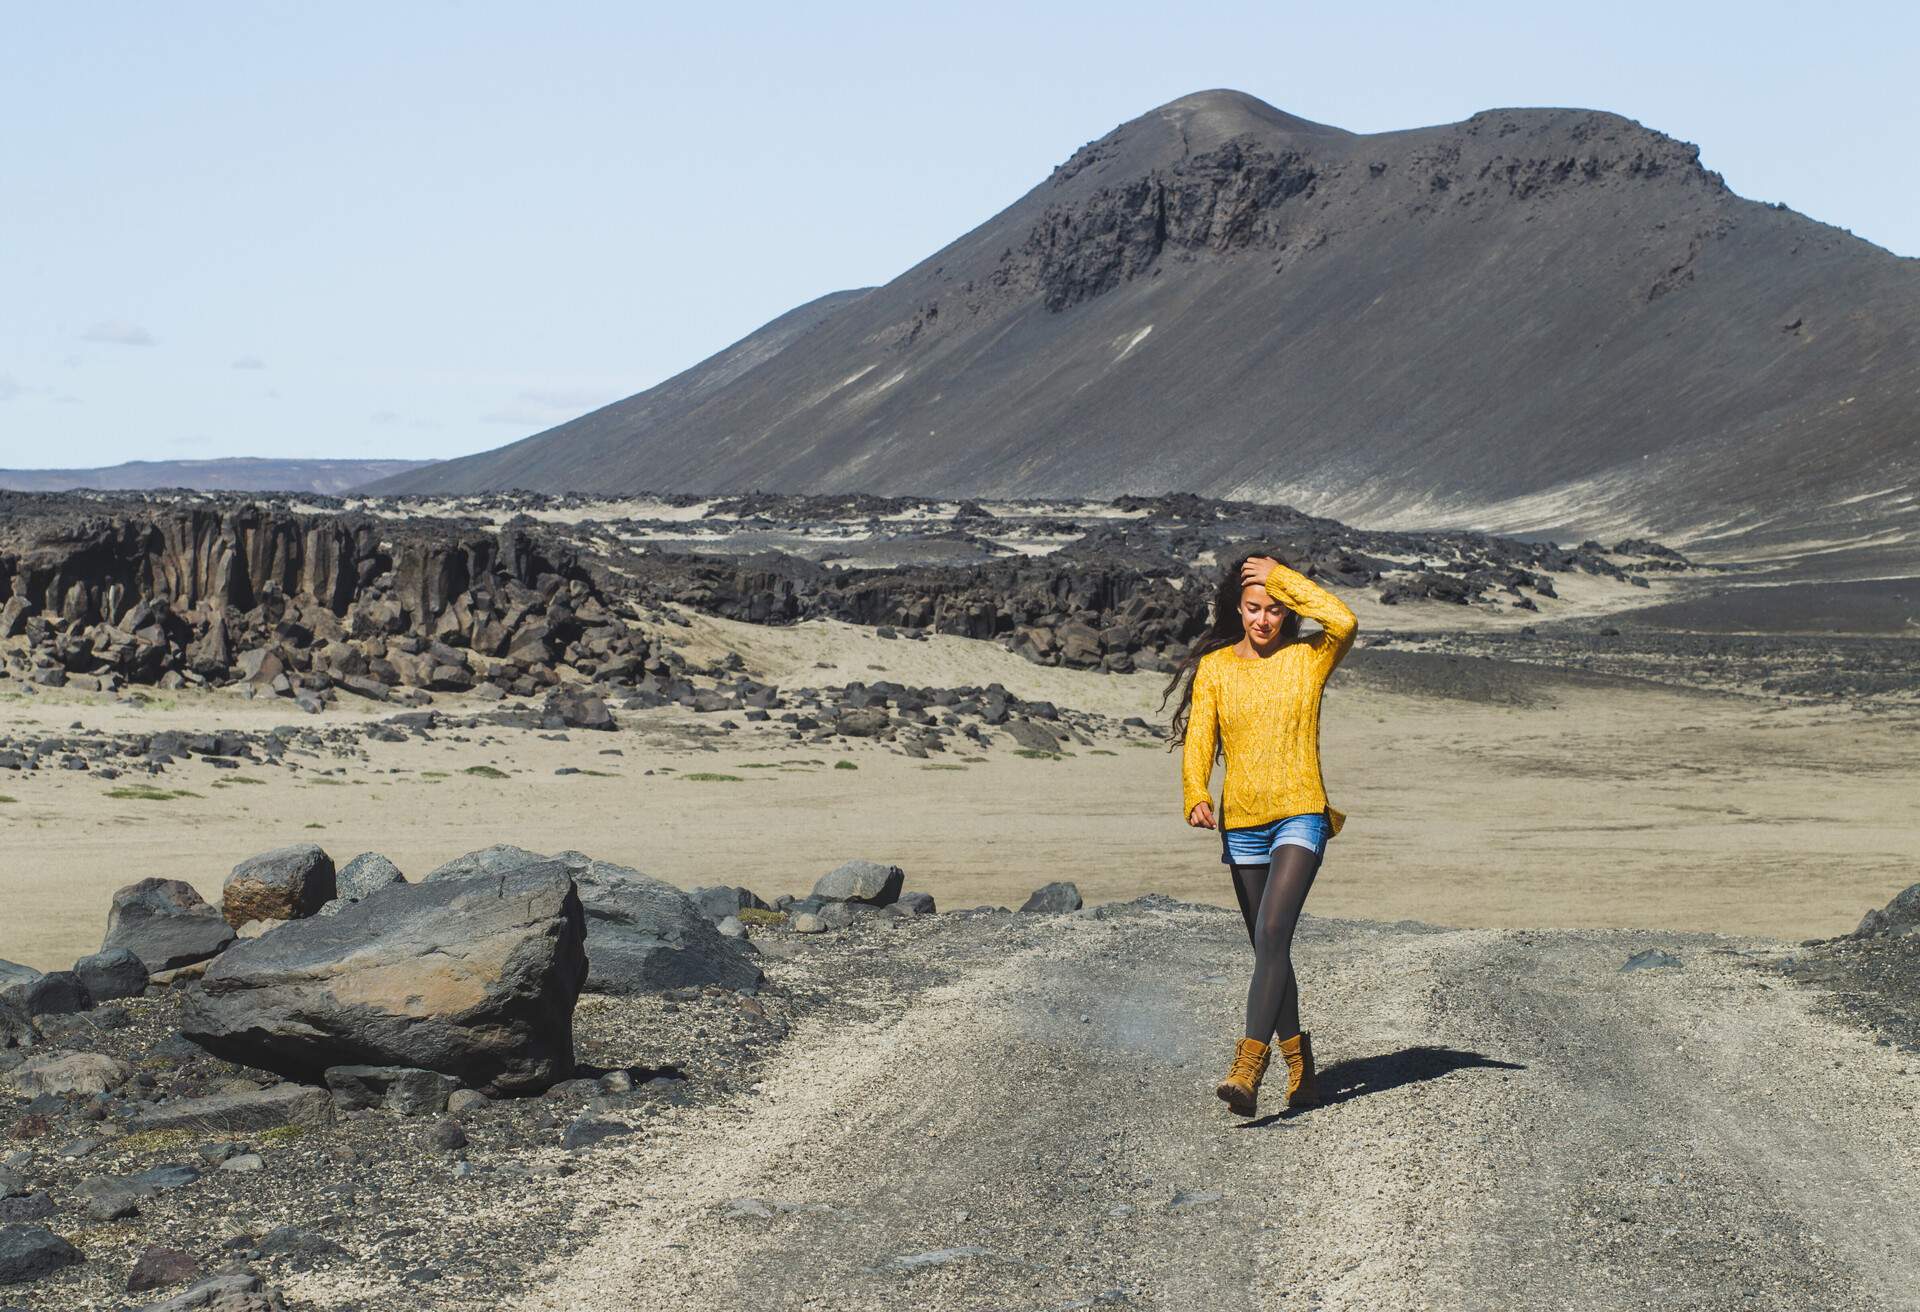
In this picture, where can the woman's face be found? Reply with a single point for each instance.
(1260, 615)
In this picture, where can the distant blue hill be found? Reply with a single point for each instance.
(330, 477)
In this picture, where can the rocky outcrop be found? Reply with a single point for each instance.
(1219, 201)
(297, 604)
(1900, 916)
(472, 976)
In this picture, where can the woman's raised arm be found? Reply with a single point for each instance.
(1299, 593)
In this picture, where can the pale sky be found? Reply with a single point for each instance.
(431, 228)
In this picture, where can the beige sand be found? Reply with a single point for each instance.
(1631, 808)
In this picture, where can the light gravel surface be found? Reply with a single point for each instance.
(1016, 1112)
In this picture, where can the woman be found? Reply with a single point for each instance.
(1253, 688)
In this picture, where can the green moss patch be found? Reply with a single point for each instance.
(147, 793)
(709, 777)
(484, 772)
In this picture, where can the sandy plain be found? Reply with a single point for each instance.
(1633, 806)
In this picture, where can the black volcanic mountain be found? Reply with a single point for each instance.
(240, 474)
(1533, 319)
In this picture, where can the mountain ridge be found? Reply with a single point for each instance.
(1528, 319)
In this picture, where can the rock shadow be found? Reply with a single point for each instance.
(1359, 1076)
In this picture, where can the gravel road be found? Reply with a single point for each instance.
(1005, 1111)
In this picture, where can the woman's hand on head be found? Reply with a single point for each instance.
(1255, 571)
(1201, 817)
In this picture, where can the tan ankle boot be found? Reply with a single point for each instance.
(1298, 1053)
(1241, 1089)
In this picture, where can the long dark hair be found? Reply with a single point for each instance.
(1224, 629)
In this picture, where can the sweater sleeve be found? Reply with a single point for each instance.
(1336, 619)
(1203, 736)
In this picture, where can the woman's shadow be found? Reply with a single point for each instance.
(1356, 1078)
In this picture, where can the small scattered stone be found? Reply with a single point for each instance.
(808, 923)
(447, 1136)
(302, 1248)
(30, 1252)
(159, 1267)
(1193, 1198)
(260, 1109)
(244, 1163)
(83, 1073)
(588, 1132)
(1649, 959)
(117, 1205)
(466, 1100)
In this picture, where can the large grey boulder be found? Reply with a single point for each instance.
(860, 881)
(56, 993)
(366, 875)
(111, 975)
(288, 883)
(644, 935)
(474, 976)
(1061, 895)
(30, 1252)
(575, 708)
(495, 860)
(12, 973)
(1900, 916)
(718, 901)
(165, 924)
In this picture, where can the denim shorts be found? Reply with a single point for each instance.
(1254, 845)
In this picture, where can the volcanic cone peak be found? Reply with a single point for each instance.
(1544, 319)
(1221, 171)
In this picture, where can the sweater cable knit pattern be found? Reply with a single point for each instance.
(1264, 712)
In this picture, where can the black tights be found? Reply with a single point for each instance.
(1270, 899)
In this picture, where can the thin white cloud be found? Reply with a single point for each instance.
(546, 406)
(249, 362)
(118, 332)
(387, 418)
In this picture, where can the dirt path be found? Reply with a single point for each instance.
(1016, 1112)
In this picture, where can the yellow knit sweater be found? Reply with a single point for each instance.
(1265, 713)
